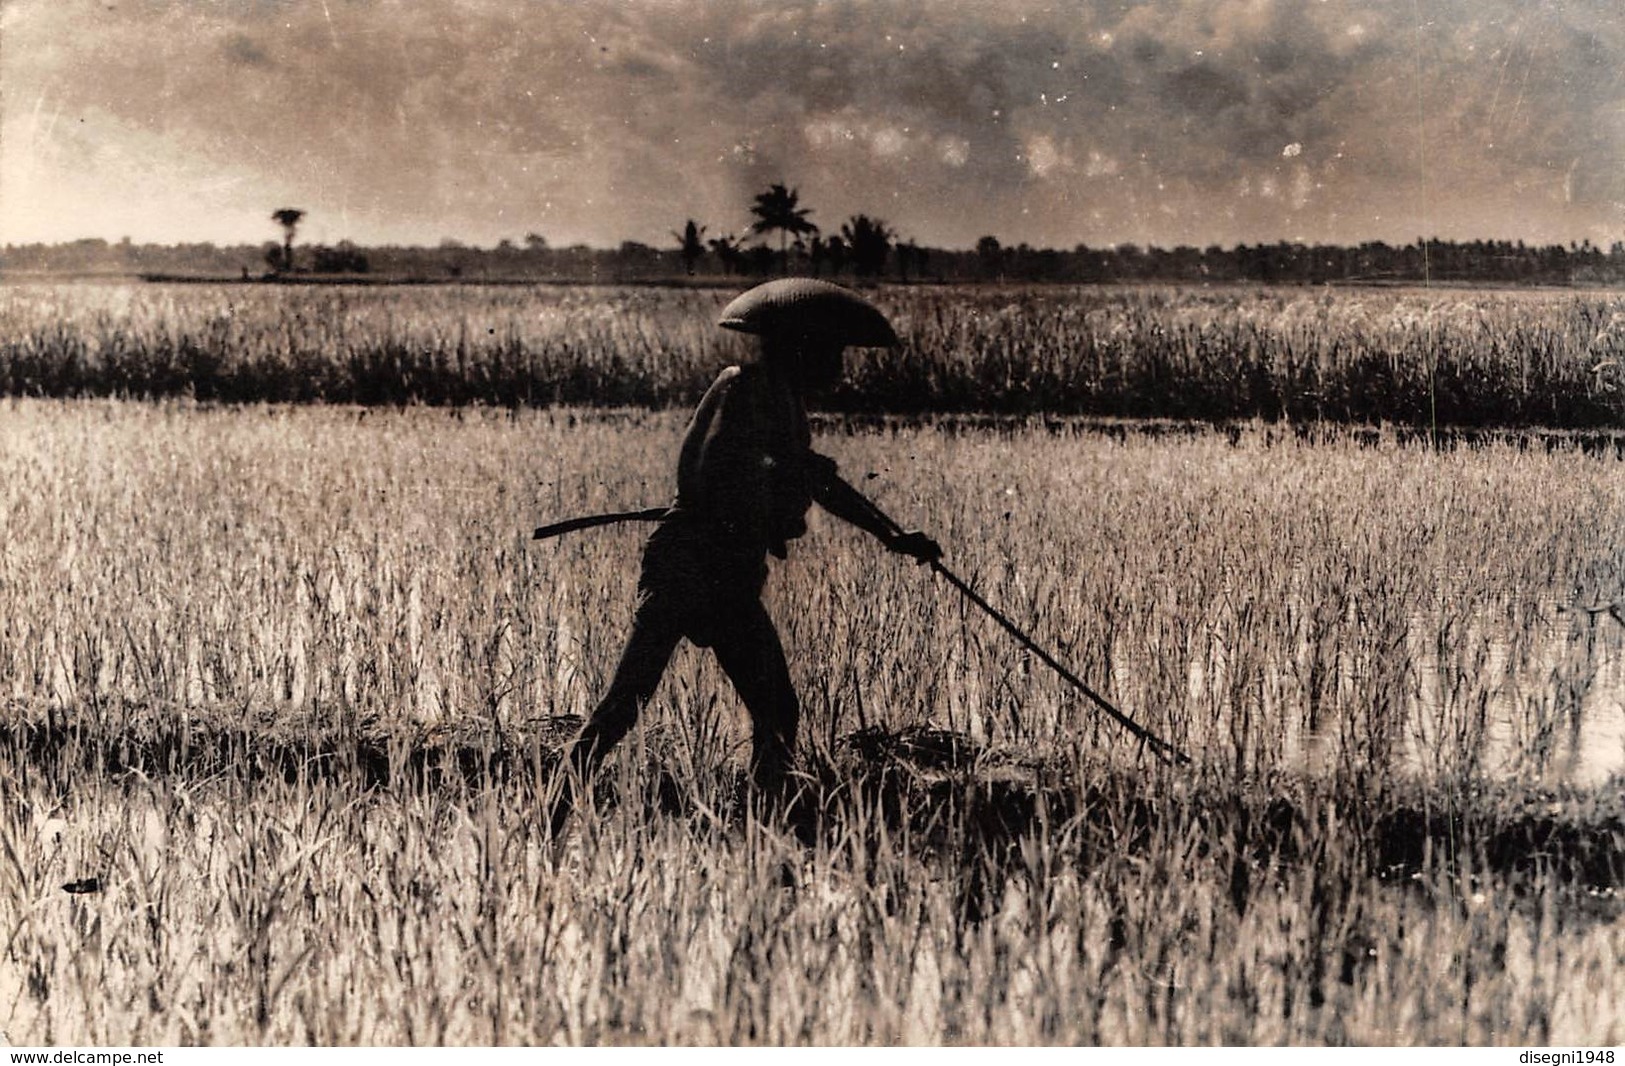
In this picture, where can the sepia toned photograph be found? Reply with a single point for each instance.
(806, 523)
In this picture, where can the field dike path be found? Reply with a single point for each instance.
(952, 801)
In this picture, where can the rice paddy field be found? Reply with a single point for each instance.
(283, 677)
(1457, 358)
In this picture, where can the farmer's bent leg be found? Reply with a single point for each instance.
(750, 653)
(648, 650)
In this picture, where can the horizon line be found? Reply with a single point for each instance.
(449, 244)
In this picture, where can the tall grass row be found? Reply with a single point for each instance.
(1405, 357)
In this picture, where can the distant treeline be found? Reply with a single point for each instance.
(1504, 262)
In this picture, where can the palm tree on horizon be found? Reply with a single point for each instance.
(868, 240)
(288, 218)
(779, 208)
(690, 244)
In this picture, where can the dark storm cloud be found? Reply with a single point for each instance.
(1204, 90)
(1166, 120)
(245, 50)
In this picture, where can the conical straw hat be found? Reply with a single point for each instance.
(805, 307)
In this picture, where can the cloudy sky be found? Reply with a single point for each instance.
(597, 121)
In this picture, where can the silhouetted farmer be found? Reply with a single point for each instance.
(745, 478)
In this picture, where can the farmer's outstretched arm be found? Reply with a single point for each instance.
(843, 501)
